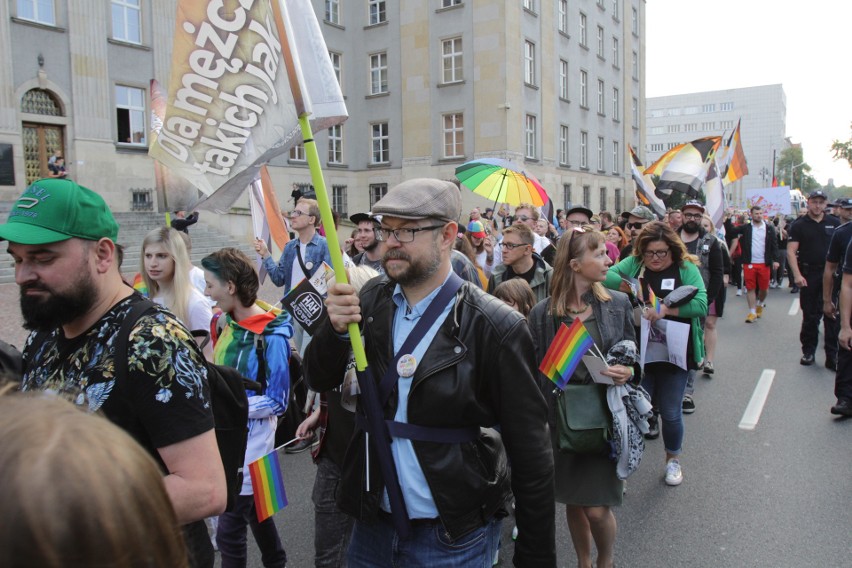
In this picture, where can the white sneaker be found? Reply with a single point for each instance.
(674, 475)
(739, 291)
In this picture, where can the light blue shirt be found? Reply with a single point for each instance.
(415, 490)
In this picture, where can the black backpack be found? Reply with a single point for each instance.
(228, 400)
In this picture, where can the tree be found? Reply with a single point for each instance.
(792, 159)
(842, 150)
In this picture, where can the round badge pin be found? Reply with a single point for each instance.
(309, 265)
(406, 366)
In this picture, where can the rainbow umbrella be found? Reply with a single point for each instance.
(501, 181)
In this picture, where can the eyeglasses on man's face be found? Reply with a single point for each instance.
(512, 246)
(660, 254)
(296, 213)
(638, 225)
(403, 235)
(694, 216)
(522, 218)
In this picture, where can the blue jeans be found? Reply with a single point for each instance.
(332, 528)
(231, 536)
(376, 545)
(666, 384)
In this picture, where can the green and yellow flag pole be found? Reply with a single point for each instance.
(317, 179)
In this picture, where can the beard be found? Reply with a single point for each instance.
(371, 246)
(58, 308)
(690, 227)
(417, 271)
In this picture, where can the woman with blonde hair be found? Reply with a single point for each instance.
(587, 483)
(76, 490)
(166, 272)
(662, 264)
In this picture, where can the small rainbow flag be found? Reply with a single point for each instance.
(565, 352)
(139, 284)
(653, 300)
(268, 486)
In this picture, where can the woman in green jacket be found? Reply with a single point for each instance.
(662, 264)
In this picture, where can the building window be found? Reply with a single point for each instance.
(454, 135)
(587, 197)
(378, 73)
(616, 157)
(563, 16)
(726, 106)
(690, 127)
(335, 144)
(39, 101)
(601, 103)
(378, 14)
(673, 128)
(339, 200)
(41, 11)
(708, 108)
(619, 200)
(530, 136)
(601, 154)
(674, 111)
(635, 22)
(377, 191)
(692, 110)
(563, 145)
(584, 150)
(529, 63)
(600, 42)
(332, 11)
(603, 199)
(635, 65)
(451, 58)
(126, 21)
(566, 195)
(616, 104)
(656, 147)
(708, 125)
(450, 3)
(337, 65)
(583, 37)
(671, 145)
(381, 143)
(563, 79)
(297, 153)
(529, 5)
(725, 124)
(130, 115)
(584, 89)
(634, 110)
(616, 9)
(616, 53)
(657, 130)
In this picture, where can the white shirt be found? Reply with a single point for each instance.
(297, 274)
(758, 243)
(540, 243)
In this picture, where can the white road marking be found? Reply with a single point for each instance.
(794, 308)
(758, 399)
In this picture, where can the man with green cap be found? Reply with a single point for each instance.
(62, 238)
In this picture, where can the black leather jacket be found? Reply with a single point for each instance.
(478, 371)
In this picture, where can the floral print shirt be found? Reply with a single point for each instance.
(164, 399)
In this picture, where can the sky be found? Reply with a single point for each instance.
(804, 46)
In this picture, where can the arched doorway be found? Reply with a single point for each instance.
(41, 141)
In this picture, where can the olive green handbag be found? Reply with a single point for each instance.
(583, 419)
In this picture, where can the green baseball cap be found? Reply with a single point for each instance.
(53, 210)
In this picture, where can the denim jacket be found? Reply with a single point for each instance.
(315, 253)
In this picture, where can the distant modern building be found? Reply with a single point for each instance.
(674, 119)
(555, 86)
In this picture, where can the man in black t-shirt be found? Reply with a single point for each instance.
(832, 280)
(806, 250)
(843, 379)
(62, 237)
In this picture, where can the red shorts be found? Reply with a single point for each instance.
(756, 276)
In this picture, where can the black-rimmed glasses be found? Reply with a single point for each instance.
(692, 215)
(636, 225)
(661, 254)
(513, 246)
(403, 235)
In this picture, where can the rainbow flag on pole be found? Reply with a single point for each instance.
(565, 352)
(653, 300)
(268, 486)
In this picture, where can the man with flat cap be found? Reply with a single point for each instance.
(451, 373)
(62, 237)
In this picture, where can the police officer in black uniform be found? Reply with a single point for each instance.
(832, 278)
(806, 250)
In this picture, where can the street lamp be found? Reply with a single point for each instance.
(792, 169)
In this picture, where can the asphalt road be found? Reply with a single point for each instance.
(778, 495)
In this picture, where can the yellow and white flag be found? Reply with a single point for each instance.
(230, 108)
